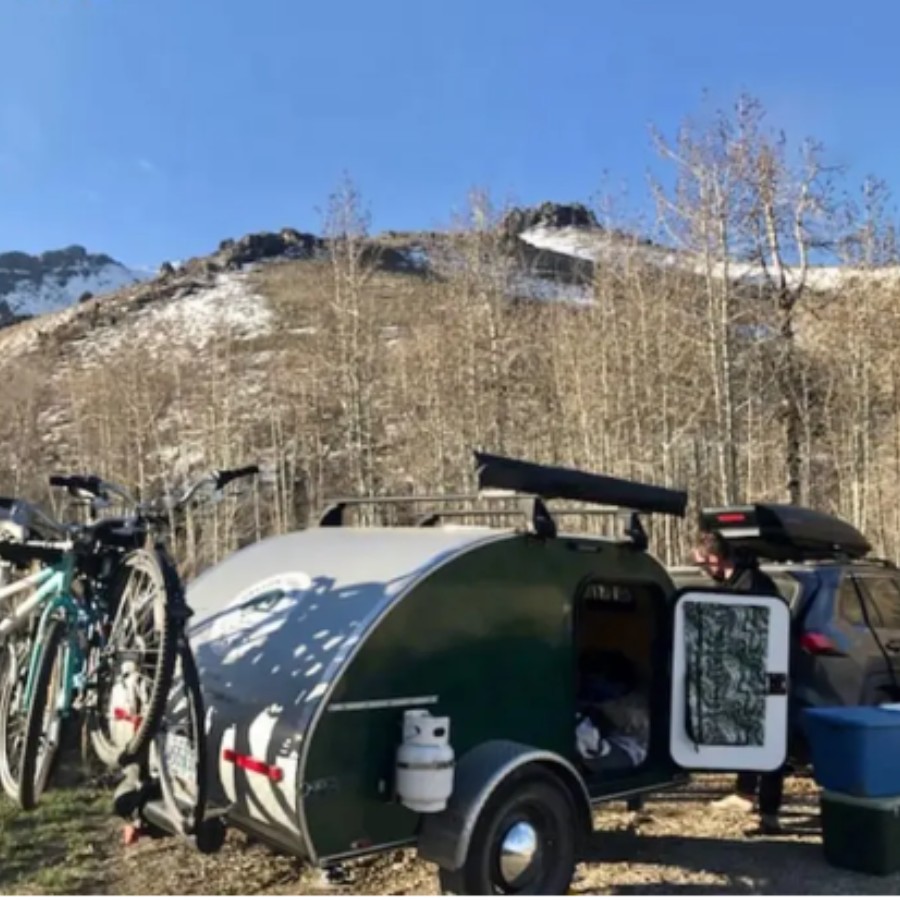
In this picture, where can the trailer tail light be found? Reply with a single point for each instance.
(818, 644)
(273, 773)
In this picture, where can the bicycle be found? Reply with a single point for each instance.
(113, 653)
(170, 790)
(30, 537)
(65, 641)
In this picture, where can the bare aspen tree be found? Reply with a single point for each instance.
(703, 216)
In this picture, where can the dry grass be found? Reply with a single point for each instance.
(677, 845)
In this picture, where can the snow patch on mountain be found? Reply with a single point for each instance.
(37, 285)
(597, 246)
(190, 319)
(533, 287)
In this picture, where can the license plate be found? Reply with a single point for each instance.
(181, 760)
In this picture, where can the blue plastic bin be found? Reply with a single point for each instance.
(855, 750)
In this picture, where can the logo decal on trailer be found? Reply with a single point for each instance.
(594, 592)
(320, 786)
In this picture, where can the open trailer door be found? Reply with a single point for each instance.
(729, 681)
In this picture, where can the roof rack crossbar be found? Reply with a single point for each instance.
(333, 513)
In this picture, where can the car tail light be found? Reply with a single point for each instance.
(731, 518)
(818, 644)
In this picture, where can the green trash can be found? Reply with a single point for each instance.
(861, 833)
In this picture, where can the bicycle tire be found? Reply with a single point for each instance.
(10, 757)
(35, 770)
(166, 603)
(184, 797)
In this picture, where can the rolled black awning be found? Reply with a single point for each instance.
(554, 482)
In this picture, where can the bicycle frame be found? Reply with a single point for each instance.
(51, 591)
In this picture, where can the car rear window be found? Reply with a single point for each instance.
(883, 593)
(849, 603)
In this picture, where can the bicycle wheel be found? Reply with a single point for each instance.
(178, 751)
(12, 718)
(141, 652)
(43, 722)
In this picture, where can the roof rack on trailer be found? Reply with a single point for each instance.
(530, 485)
(538, 517)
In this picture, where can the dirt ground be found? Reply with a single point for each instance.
(675, 846)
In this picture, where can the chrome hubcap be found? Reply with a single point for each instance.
(517, 851)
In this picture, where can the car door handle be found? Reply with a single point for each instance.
(893, 646)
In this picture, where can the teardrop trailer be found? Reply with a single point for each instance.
(374, 688)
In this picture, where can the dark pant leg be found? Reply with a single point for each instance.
(771, 792)
(747, 783)
(616, 759)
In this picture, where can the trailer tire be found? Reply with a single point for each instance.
(524, 841)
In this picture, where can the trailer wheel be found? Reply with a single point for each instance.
(523, 842)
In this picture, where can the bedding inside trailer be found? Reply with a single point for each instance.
(620, 673)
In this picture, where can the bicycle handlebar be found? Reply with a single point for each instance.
(217, 479)
(226, 476)
(93, 485)
(89, 484)
(99, 489)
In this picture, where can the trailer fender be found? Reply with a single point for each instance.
(444, 837)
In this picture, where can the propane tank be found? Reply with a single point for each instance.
(425, 762)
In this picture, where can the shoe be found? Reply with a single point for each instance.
(733, 802)
(768, 826)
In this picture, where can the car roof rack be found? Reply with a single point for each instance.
(785, 533)
(878, 561)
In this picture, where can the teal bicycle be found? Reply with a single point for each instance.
(95, 633)
(101, 630)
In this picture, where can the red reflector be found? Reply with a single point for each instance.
(813, 642)
(273, 773)
(731, 517)
(122, 715)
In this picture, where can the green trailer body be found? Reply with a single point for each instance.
(486, 640)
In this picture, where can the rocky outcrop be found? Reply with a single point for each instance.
(545, 263)
(257, 247)
(549, 215)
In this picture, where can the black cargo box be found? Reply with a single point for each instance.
(783, 533)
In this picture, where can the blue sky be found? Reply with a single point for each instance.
(151, 129)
